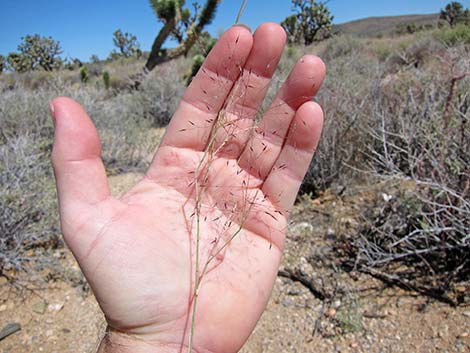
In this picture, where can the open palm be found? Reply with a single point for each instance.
(208, 220)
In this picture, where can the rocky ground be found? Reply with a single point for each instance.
(315, 306)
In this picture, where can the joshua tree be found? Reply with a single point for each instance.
(180, 24)
(94, 59)
(18, 62)
(311, 22)
(126, 43)
(454, 13)
(36, 52)
(292, 29)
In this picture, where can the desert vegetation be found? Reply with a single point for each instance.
(397, 115)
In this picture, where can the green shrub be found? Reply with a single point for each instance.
(454, 35)
(106, 79)
(84, 74)
(383, 51)
(341, 46)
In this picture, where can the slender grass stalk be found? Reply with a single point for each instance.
(240, 12)
(209, 155)
(205, 162)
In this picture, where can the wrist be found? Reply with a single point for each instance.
(120, 342)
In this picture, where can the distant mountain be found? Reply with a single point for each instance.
(379, 26)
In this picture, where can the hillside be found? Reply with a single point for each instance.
(379, 26)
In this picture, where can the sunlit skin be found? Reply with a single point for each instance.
(138, 251)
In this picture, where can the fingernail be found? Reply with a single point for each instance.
(242, 25)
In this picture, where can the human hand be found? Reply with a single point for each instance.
(217, 194)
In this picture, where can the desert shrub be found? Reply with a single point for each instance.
(419, 237)
(160, 93)
(28, 221)
(383, 51)
(23, 113)
(84, 74)
(410, 125)
(29, 228)
(346, 104)
(413, 54)
(95, 68)
(37, 80)
(119, 84)
(454, 35)
(342, 45)
(125, 135)
(106, 79)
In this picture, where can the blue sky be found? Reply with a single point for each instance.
(85, 27)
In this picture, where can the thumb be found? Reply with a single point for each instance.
(76, 158)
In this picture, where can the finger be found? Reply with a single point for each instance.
(192, 122)
(268, 138)
(234, 125)
(76, 158)
(283, 182)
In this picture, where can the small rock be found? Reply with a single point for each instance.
(287, 302)
(3, 307)
(336, 303)
(330, 234)
(349, 222)
(302, 227)
(461, 289)
(9, 329)
(55, 307)
(40, 308)
(387, 197)
(466, 313)
(354, 344)
(464, 335)
(331, 312)
(294, 291)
